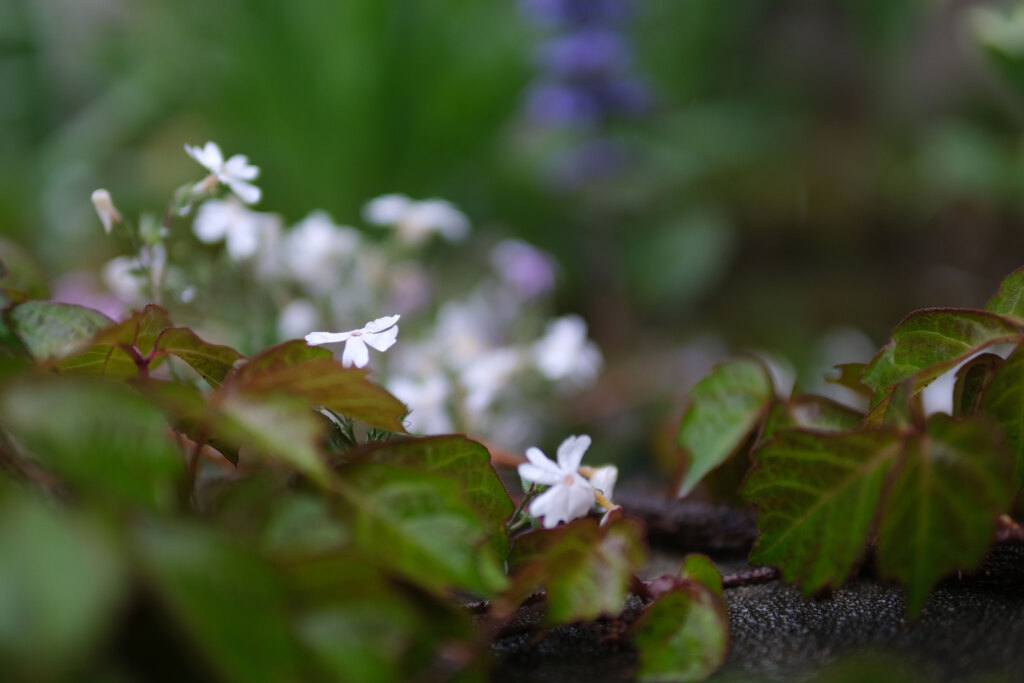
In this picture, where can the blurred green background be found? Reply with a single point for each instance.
(805, 164)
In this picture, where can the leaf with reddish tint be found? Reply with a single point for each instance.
(971, 381)
(587, 569)
(850, 377)
(140, 330)
(682, 636)
(51, 330)
(107, 352)
(940, 509)
(211, 361)
(808, 411)
(700, 568)
(1009, 298)
(929, 342)
(816, 495)
(419, 524)
(1004, 400)
(465, 462)
(725, 408)
(311, 374)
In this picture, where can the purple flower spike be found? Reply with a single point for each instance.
(557, 104)
(584, 53)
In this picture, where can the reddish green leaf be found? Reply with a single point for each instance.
(700, 568)
(51, 330)
(940, 510)
(310, 373)
(211, 361)
(140, 330)
(850, 377)
(1004, 400)
(682, 636)
(1009, 298)
(587, 569)
(816, 496)
(725, 408)
(465, 462)
(807, 411)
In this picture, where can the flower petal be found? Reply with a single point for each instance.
(551, 506)
(570, 453)
(603, 479)
(381, 324)
(538, 459)
(212, 221)
(538, 475)
(355, 353)
(316, 338)
(382, 341)
(247, 192)
(579, 498)
(239, 167)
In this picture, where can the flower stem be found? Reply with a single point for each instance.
(602, 499)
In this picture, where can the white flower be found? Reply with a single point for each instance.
(427, 400)
(570, 495)
(381, 334)
(603, 479)
(315, 250)
(229, 220)
(564, 352)
(105, 209)
(235, 172)
(416, 221)
(487, 375)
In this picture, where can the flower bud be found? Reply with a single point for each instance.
(105, 209)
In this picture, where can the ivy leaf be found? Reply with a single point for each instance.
(807, 411)
(682, 636)
(211, 361)
(62, 582)
(971, 380)
(940, 510)
(850, 377)
(816, 496)
(272, 426)
(1003, 399)
(229, 603)
(139, 331)
(928, 342)
(312, 374)
(587, 569)
(51, 330)
(101, 438)
(1009, 298)
(725, 407)
(418, 524)
(700, 568)
(461, 460)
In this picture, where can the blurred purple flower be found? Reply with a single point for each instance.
(626, 96)
(584, 53)
(552, 13)
(596, 160)
(527, 269)
(556, 104)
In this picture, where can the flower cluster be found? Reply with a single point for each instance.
(586, 80)
(478, 360)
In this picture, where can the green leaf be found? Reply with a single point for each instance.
(1009, 298)
(850, 377)
(940, 510)
(20, 273)
(700, 568)
(682, 636)
(311, 373)
(51, 330)
(1004, 400)
(587, 569)
(211, 361)
(272, 426)
(101, 438)
(465, 462)
(811, 412)
(971, 380)
(61, 587)
(229, 604)
(816, 496)
(418, 524)
(140, 330)
(928, 342)
(725, 407)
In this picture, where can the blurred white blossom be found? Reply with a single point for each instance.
(427, 400)
(126, 276)
(298, 316)
(379, 334)
(565, 353)
(236, 172)
(416, 221)
(317, 250)
(527, 269)
(487, 375)
(241, 229)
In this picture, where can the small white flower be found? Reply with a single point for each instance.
(295, 318)
(235, 172)
(105, 209)
(565, 353)
(229, 220)
(571, 495)
(487, 374)
(316, 250)
(603, 479)
(386, 209)
(416, 221)
(380, 334)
